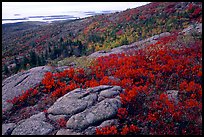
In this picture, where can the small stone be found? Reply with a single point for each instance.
(67, 106)
(172, 95)
(8, 128)
(108, 123)
(56, 117)
(32, 127)
(67, 132)
(35, 125)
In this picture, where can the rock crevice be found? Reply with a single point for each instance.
(82, 109)
(83, 106)
(14, 85)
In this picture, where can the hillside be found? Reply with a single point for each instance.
(147, 80)
(126, 93)
(100, 32)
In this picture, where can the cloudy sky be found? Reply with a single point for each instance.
(9, 9)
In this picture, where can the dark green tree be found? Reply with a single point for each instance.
(25, 62)
(46, 54)
(33, 59)
(49, 48)
(43, 60)
(39, 61)
(6, 70)
(18, 65)
(61, 40)
(33, 44)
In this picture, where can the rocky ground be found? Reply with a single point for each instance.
(78, 112)
(92, 108)
(14, 85)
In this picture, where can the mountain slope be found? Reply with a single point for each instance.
(101, 32)
(161, 85)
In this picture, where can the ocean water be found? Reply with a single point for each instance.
(70, 15)
(52, 11)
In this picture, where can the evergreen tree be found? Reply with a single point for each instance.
(61, 40)
(70, 50)
(64, 52)
(33, 44)
(17, 68)
(80, 47)
(39, 62)
(92, 49)
(43, 60)
(49, 48)
(55, 52)
(6, 70)
(25, 62)
(33, 58)
(46, 54)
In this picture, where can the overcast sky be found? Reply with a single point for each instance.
(56, 8)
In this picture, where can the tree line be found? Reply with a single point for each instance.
(60, 49)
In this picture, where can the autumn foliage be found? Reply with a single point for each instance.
(62, 122)
(146, 75)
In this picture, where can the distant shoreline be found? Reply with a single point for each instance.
(52, 18)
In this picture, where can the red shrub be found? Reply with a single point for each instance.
(122, 113)
(62, 122)
(112, 130)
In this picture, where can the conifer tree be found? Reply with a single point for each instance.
(25, 62)
(33, 58)
(6, 70)
(17, 68)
